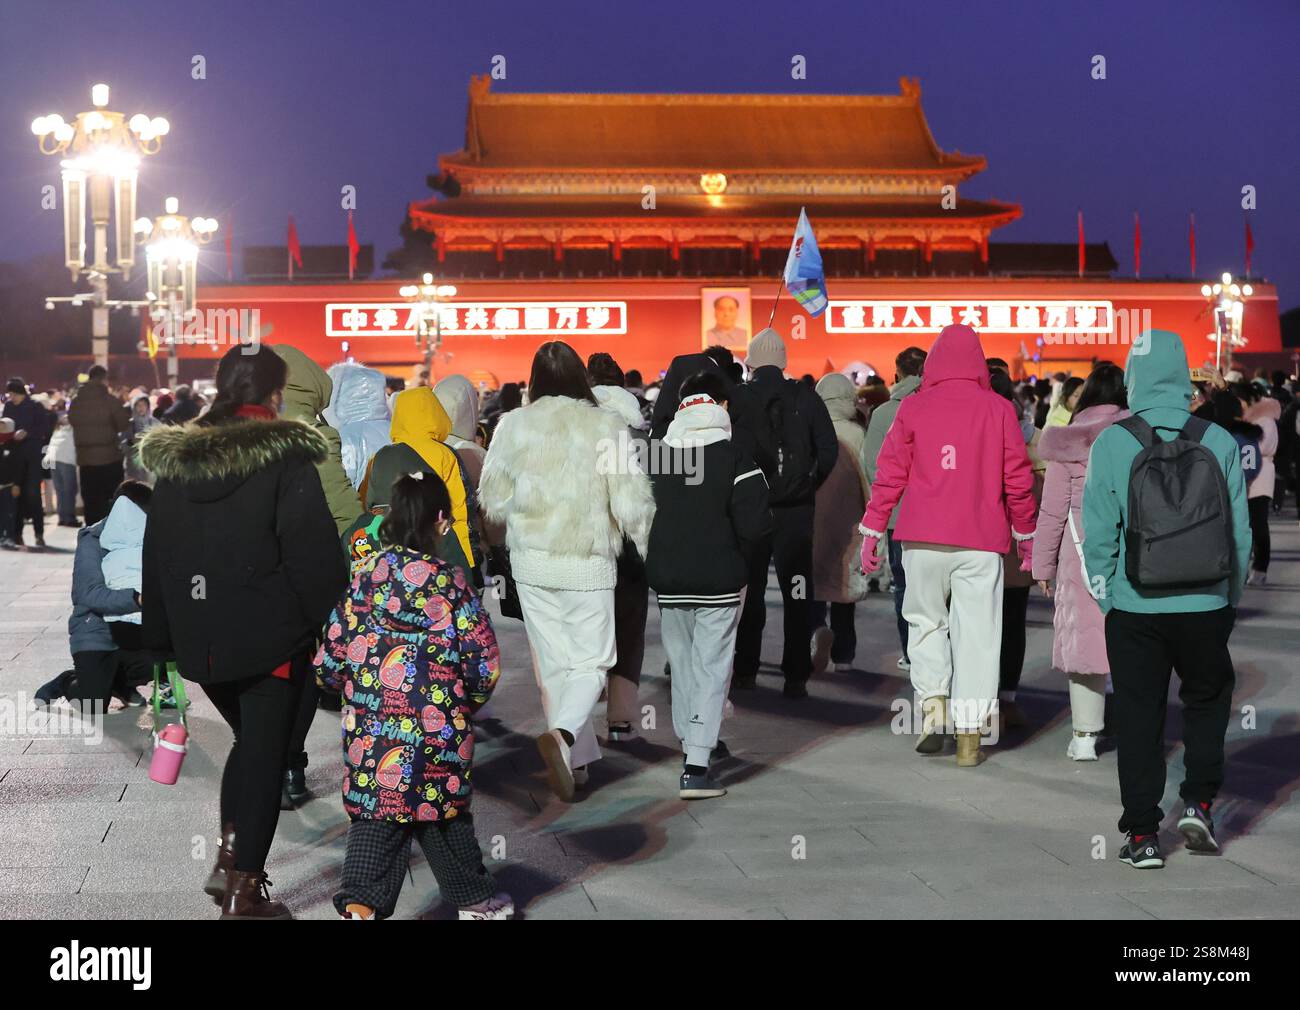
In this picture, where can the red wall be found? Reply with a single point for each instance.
(663, 319)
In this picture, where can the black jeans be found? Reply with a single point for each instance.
(790, 547)
(1259, 509)
(899, 578)
(97, 486)
(844, 645)
(631, 607)
(100, 675)
(1015, 609)
(296, 755)
(261, 712)
(1142, 649)
(30, 505)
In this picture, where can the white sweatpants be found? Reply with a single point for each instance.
(953, 609)
(700, 643)
(571, 635)
(1088, 702)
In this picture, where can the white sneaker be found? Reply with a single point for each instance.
(580, 776)
(821, 649)
(1257, 578)
(841, 667)
(1082, 748)
(904, 663)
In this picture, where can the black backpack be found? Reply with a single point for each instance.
(783, 449)
(1179, 531)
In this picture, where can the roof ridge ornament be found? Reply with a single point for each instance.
(909, 87)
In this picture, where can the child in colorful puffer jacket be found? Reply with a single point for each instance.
(956, 448)
(412, 650)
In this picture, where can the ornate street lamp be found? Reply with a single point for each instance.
(172, 252)
(101, 153)
(425, 297)
(1227, 306)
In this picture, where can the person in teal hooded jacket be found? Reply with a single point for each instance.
(1150, 632)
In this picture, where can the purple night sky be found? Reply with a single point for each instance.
(302, 98)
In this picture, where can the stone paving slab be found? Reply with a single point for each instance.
(829, 814)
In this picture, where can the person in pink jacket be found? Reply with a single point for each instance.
(1264, 412)
(1078, 627)
(956, 448)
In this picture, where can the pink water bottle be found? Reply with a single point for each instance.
(168, 752)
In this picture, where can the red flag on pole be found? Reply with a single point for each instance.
(1250, 247)
(1137, 245)
(230, 249)
(295, 250)
(1081, 256)
(1191, 240)
(354, 247)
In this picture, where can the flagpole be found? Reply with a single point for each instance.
(779, 285)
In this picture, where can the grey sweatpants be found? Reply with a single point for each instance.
(700, 642)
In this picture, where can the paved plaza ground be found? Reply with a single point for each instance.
(829, 814)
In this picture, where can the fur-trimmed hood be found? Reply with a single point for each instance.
(1071, 443)
(211, 460)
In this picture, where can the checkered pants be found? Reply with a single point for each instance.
(379, 854)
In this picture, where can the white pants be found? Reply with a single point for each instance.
(953, 609)
(1087, 702)
(571, 635)
(700, 643)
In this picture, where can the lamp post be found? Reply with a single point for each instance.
(100, 166)
(1227, 306)
(172, 252)
(425, 297)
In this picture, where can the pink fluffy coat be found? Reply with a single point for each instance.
(1079, 638)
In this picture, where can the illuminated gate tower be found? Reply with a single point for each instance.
(650, 225)
(702, 186)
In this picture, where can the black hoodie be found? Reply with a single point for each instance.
(241, 555)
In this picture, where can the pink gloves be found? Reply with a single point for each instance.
(871, 543)
(1025, 548)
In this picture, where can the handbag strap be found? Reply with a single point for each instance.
(178, 692)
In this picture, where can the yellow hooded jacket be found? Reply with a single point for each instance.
(420, 422)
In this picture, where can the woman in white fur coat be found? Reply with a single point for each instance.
(563, 477)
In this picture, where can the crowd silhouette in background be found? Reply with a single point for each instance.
(295, 539)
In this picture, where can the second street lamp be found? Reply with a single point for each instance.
(427, 317)
(1228, 309)
(172, 252)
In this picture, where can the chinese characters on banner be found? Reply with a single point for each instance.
(1018, 317)
(467, 319)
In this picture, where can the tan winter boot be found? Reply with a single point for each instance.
(969, 753)
(934, 716)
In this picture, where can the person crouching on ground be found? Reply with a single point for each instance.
(956, 448)
(710, 508)
(412, 650)
(104, 636)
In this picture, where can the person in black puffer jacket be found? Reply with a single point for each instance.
(241, 568)
(711, 510)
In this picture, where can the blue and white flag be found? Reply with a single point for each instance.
(804, 277)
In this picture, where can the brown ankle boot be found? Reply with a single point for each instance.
(216, 885)
(247, 897)
(969, 753)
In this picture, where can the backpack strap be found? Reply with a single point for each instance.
(1195, 428)
(1139, 429)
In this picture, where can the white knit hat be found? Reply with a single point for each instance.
(767, 348)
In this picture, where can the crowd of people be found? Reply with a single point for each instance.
(306, 539)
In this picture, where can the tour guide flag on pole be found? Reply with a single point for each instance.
(804, 277)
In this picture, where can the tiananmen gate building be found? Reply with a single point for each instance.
(654, 225)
